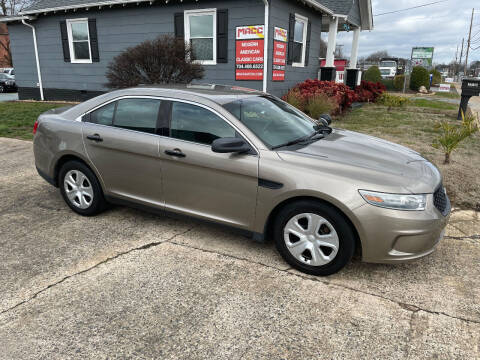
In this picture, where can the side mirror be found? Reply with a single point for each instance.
(230, 145)
(326, 119)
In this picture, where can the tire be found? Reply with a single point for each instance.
(2, 89)
(314, 237)
(81, 189)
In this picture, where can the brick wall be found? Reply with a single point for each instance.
(4, 40)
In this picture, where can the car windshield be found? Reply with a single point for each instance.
(275, 122)
(388, 63)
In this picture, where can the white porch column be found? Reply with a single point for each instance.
(332, 41)
(354, 53)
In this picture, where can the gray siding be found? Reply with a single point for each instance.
(279, 16)
(119, 28)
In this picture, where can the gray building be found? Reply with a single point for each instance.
(61, 48)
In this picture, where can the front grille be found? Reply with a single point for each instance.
(440, 200)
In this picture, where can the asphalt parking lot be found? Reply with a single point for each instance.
(128, 284)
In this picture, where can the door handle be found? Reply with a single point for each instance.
(176, 152)
(95, 137)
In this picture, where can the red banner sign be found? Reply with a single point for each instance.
(249, 53)
(279, 54)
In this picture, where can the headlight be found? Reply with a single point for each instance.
(395, 201)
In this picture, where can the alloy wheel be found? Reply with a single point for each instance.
(78, 189)
(311, 239)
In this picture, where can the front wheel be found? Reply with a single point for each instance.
(81, 189)
(2, 89)
(314, 237)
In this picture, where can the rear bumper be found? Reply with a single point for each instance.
(46, 177)
(392, 236)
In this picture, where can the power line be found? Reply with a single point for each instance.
(410, 8)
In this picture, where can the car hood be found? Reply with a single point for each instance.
(370, 159)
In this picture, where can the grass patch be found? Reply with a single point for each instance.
(432, 104)
(415, 129)
(17, 117)
(450, 95)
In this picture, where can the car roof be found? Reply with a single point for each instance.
(218, 94)
(221, 94)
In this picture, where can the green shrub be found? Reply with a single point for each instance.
(372, 74)
(319, 104)
(392, 100)
(451, 134)
(398, 82)
(388, 84)
(437, 77)
(295, 98)
(419, 77)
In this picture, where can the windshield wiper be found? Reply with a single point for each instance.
(293, 142)
(300, 140)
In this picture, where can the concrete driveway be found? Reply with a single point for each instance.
(128, 284)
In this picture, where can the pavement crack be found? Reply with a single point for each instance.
(408, 307)
(104, 261)
(471, 237)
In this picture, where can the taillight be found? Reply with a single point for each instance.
(35, 126)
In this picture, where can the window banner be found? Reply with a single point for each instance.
(249, 52)
(280, 40)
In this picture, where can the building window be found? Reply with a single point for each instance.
(299, 40)
(79, 41)
(201, 34)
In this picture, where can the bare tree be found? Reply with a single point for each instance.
(376, 56)
(13, 7)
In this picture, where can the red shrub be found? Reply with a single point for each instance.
(341, 94)
(369, 91)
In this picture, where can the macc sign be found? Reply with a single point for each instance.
(249, 52)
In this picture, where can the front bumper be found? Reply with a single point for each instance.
(10, 88)
(391, 236)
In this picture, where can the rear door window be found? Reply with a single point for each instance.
(104, 115)
(137, 114)
(197, 124)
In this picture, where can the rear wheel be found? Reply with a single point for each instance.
(314, 237)
(2, 89)
(81, 189)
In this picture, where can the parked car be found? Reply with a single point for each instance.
(7, 83)
(248, 160)
(9, 71)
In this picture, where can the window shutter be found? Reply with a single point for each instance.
(222, 36)
(307, 43)
(179, 25)
(291, 36)
(66, 48)
(92, 29)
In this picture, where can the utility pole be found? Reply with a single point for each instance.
(468, 42)
(461, 56)
(455, 64)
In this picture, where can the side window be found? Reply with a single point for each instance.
(299, 40)
(104, 115)
(194, 123)
(137, 114)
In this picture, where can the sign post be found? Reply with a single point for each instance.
(280, 40)
(249, 52)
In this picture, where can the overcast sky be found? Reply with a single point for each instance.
(441, 25)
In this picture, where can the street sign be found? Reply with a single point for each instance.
(444, 88)
(422, 56)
